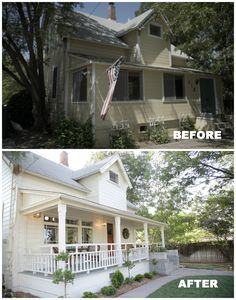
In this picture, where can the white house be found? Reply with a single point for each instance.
(48, 208)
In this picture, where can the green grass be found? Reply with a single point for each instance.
(207, 266)
(170, 290)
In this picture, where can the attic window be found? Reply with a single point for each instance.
(155, 30)
(113, 177)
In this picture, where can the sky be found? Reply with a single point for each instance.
(124, 10)
(77, 158)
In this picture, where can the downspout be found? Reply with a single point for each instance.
(93, 98)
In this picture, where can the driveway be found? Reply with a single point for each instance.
(146, 289)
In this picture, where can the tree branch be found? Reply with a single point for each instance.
(10, 73)
(231, 175)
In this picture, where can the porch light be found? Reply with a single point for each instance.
(37, 215)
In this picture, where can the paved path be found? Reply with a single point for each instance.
(144, 290)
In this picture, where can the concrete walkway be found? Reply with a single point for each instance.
(150, 287)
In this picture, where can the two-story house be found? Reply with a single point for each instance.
(154, 82)
(48, 208)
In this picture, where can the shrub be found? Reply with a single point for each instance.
(148, 275)
(158, 134)
(117, 279)
(20, 108)
(69, 134)
(121, 139)
(108, 290)
(187, 124)
(154, 273)
(162, 249)
(128, 280)
(138, 277)
(89, 295)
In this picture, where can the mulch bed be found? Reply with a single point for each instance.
(23, 295)
(127, 287)
(26, 139)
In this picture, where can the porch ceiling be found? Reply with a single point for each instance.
(85, 205)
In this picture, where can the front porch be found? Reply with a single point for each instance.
(95, 240)
(85, 257)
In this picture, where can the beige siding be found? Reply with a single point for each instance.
(155, 51)
(178, 62)
(91, 182)
(99, 50)
(140, 112)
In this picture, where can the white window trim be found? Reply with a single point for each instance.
(113, 182)
(149, 30)
(88, 227)
(174, 100)
(73, 72)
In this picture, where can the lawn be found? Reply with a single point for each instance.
(223, 266)
(170, 290)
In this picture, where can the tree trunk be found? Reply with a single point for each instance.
(39, 111)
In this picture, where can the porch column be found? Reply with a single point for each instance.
(145, 228)
(163, 237)
(118, 240)
(62, 227)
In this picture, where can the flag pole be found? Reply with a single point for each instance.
(121, 58)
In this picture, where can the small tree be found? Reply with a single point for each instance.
(128, 263)
(63, 275)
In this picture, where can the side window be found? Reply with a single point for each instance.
(80, 86)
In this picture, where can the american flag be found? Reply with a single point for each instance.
(113, 73)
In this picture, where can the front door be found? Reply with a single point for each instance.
(207, 96)
(110, 236)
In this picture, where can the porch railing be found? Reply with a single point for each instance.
(82, 259)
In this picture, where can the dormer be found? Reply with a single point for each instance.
(108, 182)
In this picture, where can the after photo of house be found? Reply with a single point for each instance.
(121, 224)
(117, 75)
(117, 150)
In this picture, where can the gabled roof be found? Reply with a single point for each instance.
(101, 167)
(90, 29)
(38, 165)
(122, 28)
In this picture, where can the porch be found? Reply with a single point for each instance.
(95, 239)
(85, 257)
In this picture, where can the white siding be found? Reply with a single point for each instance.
(8, 215)
(91, 183)
(110, 193)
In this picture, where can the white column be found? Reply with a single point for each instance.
(145, 228)
(118, 240)
(62, 227)
(163, 237)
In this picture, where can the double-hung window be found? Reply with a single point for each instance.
(87, 232)
(80, 86)
(129, 86)
(173, 87)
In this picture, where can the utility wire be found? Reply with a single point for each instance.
(95, 8)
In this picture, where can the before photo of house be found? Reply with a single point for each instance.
(119, 78)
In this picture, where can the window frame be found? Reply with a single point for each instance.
(174, 99)
(86, 227)
(157, 25)
(72, 85)
(126, 91)
(116, 176)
